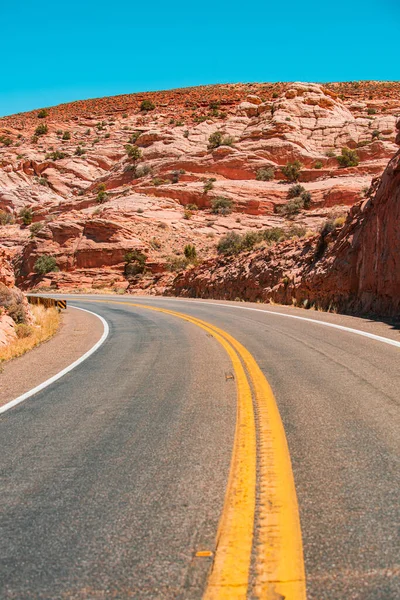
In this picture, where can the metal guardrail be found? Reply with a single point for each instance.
(47, 302)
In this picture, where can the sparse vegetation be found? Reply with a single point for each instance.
(221, 205)
(292, 170)
(66, 136)
(56, 155)
(41, 129)
(135, 263)
(190, 252)
(46, 324)
(6, 218)
(79, 151)
(26, 215)
(265, 174)
(318, 165)
(43, 113)
(5, 140)
(208, 184)
(234, 243)
(133, 152)
(217, 139)
(102, 195)
(35, 228)
(142, 170)
(45, 264)
(348, 158)
(147, 105)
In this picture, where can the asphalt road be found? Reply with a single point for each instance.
(114, 477)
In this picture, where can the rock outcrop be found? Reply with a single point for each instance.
(90, 203)
(354, 269)
(14, 308)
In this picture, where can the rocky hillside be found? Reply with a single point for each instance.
(106, 194)
(14, 308)
(352, 268)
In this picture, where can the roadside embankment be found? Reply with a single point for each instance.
(78, 332)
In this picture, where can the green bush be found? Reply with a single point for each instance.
(45, 264)
(330, 153)
(371, 111)
(43, 113)
(6, 141)
(41, 129)
(348, 158)
(295, 190)
(190, 252)
(6, 218)
(265, 174)
(35, 228)
(208, 184)
(133, 152)
(318, 165)
(147, 105)
(66, 136)
(229, 244)
(57, 155)
(221, 205)
(217, 139)
(291, 171)
(142, 171)
(26, 215)
(135, 263)
(79, 151)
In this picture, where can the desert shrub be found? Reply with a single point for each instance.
(376, 134)
(45, 264)
(187, 214)
(292, 170)
(250, 239)
(174, 176)
(147, 105)
(43, 181)
(208, 184)
(275, 95)
(56, 155)
(186, 133)
(217, 139)
(79, 151)
(6, 218)
(221, 205)
(177, 263)
(229, 244)
(295, 190)
(34, 139)
(142, 170)
(306, 197)
(190, 252)
(6, 141)
(192, 207)
(35, 228)
(43, 113)
(295, 231)
(371, 111)
(265, 174)
(66, 136)
(26, 215)
(291, 208)
(133, 152)
(348, 158)
(134, 136)
(330, 153)
(102, 195)
(273, 234)
(322, 243)
(41, 129)
(135, 263)
(318, 165)
(23, 330)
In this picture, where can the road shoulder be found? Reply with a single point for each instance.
(79, 331)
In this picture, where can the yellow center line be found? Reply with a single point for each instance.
(279, 563)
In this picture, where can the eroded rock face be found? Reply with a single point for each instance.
(14, 308)
(356, 269)
(94, 204)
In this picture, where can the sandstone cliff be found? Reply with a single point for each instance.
(355, 268)
(70, 190)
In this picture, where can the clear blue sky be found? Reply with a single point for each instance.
(55, 52)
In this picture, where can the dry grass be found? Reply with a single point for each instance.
(46, 324)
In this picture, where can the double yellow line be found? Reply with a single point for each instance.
(271, 530)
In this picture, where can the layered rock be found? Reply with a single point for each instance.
(356, 269)
(57, 175)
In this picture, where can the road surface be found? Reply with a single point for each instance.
(114, 477)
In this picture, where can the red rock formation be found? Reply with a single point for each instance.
(355, 270)
(58, 177)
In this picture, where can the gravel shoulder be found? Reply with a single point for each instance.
(78, 332)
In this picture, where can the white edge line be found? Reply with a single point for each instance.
(372, 336)
(80, 360)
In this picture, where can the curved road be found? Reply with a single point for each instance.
(114, 477)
